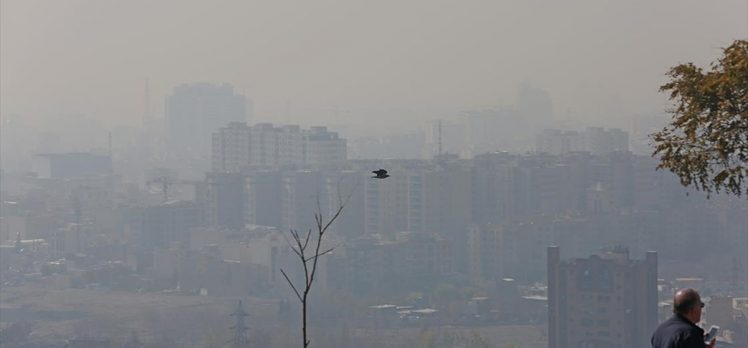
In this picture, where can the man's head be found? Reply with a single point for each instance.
(687, 303)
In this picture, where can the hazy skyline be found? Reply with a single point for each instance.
(595, 59)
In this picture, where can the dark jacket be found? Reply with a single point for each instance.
(678, 332)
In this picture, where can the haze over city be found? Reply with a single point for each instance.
(599, 61)
(371, 173)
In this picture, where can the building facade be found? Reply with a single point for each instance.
(594, 140)
(607, 300)
(262, 146)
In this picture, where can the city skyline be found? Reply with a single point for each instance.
(429, 173)
(468, 56)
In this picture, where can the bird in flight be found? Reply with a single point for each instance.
(380, 174)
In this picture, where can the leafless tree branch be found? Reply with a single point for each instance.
(320, 254)
(300, 247)
(291, 284)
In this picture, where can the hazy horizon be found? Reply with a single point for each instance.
(298, 61)
(516, 200)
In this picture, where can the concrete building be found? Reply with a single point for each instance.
(721, 312)
(445, 200)
(286, 199)
(322, 147)
(600, 141)
(169, 222)
(72, 238)
(557, 142)
(231, 148)
(344, 187)
(594, 140)
(206, 272)
(606, 300)
(419, 197)
(386, 204)
(262, 146)
(290, 146)
(225, 200)
(301, 196)
(408, 262)
(262, 198)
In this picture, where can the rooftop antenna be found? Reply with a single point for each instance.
(440, 137)
(109, 150)
(147, 121)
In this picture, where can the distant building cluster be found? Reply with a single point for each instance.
(457, 235)
(238, 147)
(494, 214)
(593, 140)
(486, 218)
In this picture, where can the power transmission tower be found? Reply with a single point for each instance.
(440, 138)
(240, 338)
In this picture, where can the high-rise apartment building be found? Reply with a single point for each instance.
(600, 141)
(231, 148)
(301, 196)
(262, 198)
(386, 205)
(323, 147)
(226, 199)
(594, 140)
(607, 300)
(420, 197)
(290, 146)
(195, 111)
(238, 146)
(169, 222)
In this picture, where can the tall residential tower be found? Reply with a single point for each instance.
(606, 300)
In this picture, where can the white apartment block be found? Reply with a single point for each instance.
(322, 147)
(263, 145)
(231, 148)
(594, 140)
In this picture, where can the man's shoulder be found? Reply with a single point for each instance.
(675, 323)
(676, 329)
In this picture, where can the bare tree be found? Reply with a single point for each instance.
(308, 254)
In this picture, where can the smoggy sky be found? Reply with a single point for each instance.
(596, 58)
